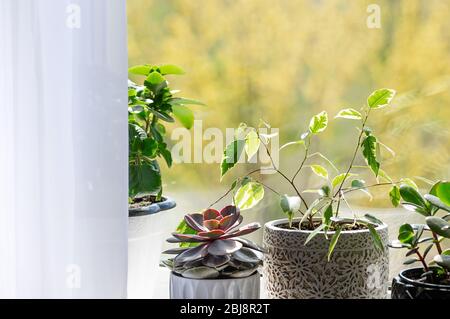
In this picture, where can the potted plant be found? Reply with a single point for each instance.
(320, 254)
(216, 263)
(150, 106)
(432, 279)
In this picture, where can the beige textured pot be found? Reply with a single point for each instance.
(292, 270)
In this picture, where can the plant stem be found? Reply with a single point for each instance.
(284, 176)
(436, 241)
(303, 162)
(422, 260)
(351, 189)
(352, 161)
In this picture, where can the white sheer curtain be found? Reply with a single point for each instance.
(63, 149)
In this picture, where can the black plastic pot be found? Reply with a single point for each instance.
(405, 286)
(154, 208)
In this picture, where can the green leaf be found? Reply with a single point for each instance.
(435, 201)
(320, 171)
(231, 156)
(439, 226)
(183, 228)
(249, 195)
(327, 214)
(140, 69)
(406, 234)
(290, 204)
(184, 115)
(443, 192)
(171, 69)
(411, 195)
(300, 142)
(410, 261)
(373, 219)
(184, 101)
(314, 233)
(144, 177)
(410, 182)
(162, 115)
(350, 114)
(369, 146)
(337, 180)
(333, 242)
(376, 237)
(394, 195)
(149, 147)
(384, 175)
(318, 123)
(252, 143)
(155, 78)
(380, 98)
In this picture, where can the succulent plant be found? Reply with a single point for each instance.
(218, 250)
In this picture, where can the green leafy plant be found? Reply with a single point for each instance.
(215, 250)
(322, 214)
(420, 239)
(150, 106)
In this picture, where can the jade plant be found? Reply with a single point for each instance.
(419, 240)
(150, 106)
(215, 249)
(322, 214)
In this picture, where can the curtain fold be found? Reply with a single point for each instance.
(63, 149)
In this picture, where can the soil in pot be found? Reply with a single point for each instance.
(307, 226)
(410, 284)
(144, 201)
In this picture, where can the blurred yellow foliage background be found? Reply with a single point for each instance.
(286, 60)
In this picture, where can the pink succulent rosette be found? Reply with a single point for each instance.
(220, 251)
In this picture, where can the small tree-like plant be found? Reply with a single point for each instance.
(321, 215)
(150, 106)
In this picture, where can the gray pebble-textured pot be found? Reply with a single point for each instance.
(232, 288)
(357, 269)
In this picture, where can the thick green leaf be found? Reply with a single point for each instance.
(145, 177)
(184, 115)
(443, 261)
(406, 234)
(171, 69)
(369, 146)
(350, 114)
(337, 180)
(443, 192)
(140, 69)
(320, 171)
(231, 155)
(249, 195)
(318, 123)
(252, 143)
(380, 98)
(411, 195)
(410, 182)
(333, 242)
(439, 226)
(149, 147)
(394, 195)
(436, 201)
